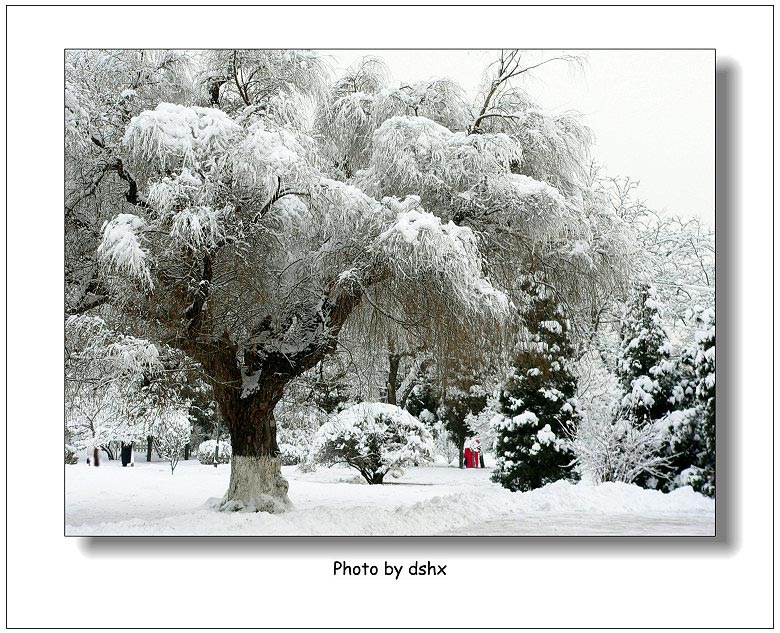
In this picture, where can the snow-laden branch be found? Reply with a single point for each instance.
(418, 244)
(121, 248)
(174, 135)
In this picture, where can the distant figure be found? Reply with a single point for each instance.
(127, 453)
(480, 457)
(467, 456)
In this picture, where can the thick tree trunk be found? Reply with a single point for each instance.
(148, 448)
(256, 481)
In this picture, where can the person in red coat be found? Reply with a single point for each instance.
(467, 456)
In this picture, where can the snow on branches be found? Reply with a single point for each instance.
(419, 243)
(121, 248)
(117, 385)
(174, 135)
(413, 155)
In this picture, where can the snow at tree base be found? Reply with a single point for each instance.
(338, 303)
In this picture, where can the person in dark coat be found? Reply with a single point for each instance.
(127, 453)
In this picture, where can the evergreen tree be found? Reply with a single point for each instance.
(688, 438)
(704, 480)
(645, 369)
(538, 401)
(422, 395)
(460, 403)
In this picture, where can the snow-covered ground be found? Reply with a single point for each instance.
(148, 500)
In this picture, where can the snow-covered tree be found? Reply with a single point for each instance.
(104, 89)
(481, 424)
(171, 430)
(645, 367)
(250, 235)
(111, 381)
(606, 445)
(688, 432)
(463, 398)
(250, 261)
(120, 388)
(538, 403)
(705, 394)
(282, 83)
(375, 439)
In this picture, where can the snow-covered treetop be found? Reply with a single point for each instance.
(249, 196)
(293, 198)
(174, 136)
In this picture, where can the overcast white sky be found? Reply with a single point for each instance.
(652, 112)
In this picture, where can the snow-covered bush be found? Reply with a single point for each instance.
(617, 449)
(297, 422)
(291, 454)
(207, 452)
(608, 443)
(71, 456)
(375, 439)
(445, 447)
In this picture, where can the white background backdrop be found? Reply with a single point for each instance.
(53, 581)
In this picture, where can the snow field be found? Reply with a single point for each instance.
(148, 500)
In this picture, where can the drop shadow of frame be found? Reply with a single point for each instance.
(727, 165)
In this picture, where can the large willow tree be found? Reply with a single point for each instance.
(266, 210)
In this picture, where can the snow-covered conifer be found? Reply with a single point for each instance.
(538, 403)
(645, 366)
(688, 432)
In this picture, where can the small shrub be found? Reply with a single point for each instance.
(375, 439)
(206, 452)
